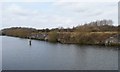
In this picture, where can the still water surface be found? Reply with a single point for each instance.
(17, 54)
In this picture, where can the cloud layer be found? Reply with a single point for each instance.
(56, 14)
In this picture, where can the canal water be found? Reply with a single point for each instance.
(17, 54)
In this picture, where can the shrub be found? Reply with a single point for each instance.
(52, 36)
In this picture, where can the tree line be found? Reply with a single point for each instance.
(95, 32)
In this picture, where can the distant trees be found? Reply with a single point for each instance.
(43, 30)
(89, 33)
(18, 31)
(97, 26)
(101, 23)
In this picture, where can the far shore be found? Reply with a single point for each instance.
(100, 32)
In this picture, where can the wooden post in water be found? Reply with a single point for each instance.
(30, 41)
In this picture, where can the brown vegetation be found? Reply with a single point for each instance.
(92, 33)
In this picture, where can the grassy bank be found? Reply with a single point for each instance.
(94, 33)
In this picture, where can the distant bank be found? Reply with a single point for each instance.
(94, 33)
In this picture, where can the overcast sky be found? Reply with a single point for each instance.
(56, 14)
